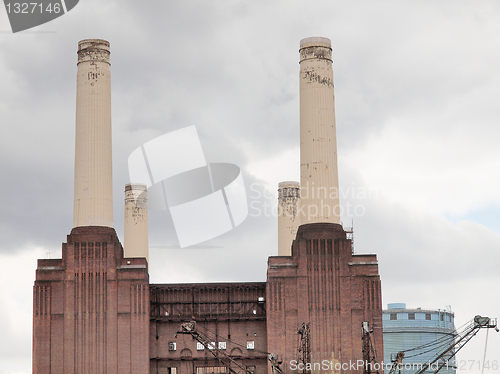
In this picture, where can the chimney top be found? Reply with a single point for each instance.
(316, 48)
(315, 41)
(288, 184)
(135, 187)
(93, 50)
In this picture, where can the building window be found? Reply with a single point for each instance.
(172, 346)
(199, 346)
(222, 345)
(211, 370)
(171, 370)
(411, 315)
(251, 344)
(428, 316)
(442, 317)
(394, 316)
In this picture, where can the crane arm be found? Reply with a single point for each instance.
(220, 355)
(476, 324)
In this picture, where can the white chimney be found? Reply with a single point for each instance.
(93, 204)
(288, 220)
(136, 221)
(318, 144)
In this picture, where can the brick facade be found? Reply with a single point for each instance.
(91, 308)
(231, 314)
(323, 283)
(95, 312)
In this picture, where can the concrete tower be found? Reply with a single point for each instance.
(93, 205)
(91, 308)
(321, 283)
(318, 144)
(288, 220)
(136, 221)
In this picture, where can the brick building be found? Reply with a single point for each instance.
(95, 311)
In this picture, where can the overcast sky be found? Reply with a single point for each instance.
(417, 87)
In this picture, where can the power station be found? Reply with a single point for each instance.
(95, 311)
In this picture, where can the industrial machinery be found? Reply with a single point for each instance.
(226, 360)
(369, 354)
(448, 350)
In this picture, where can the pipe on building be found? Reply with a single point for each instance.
(288, 220)
(136, 221)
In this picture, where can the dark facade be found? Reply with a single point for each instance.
(231, 315)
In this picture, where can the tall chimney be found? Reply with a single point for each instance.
(93, 204)
(136, 221)
(318, 144)
(288, 220)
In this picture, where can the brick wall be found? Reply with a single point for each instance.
(324, 284)
(230, 314)
(91, 308)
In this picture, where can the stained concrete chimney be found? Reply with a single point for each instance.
(136, 221)
(93, 205)
(318, 144)
(288, 220)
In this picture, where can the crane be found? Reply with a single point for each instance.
(226, 360)
(450, 351)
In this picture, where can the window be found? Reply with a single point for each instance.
(394, 316)
(442, 317)
(222, 345)
(211, 370)
(411, 315)
(168, 370)
(212, 346)
(199, 346)
(428, 316)
(172, 346)
(251, 344)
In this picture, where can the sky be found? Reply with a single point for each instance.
(417, 86)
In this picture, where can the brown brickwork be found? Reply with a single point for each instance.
(94, 311)
(91, 308)
(229, 313)
(324, 284)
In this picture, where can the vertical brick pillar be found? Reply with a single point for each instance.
(323, 284)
